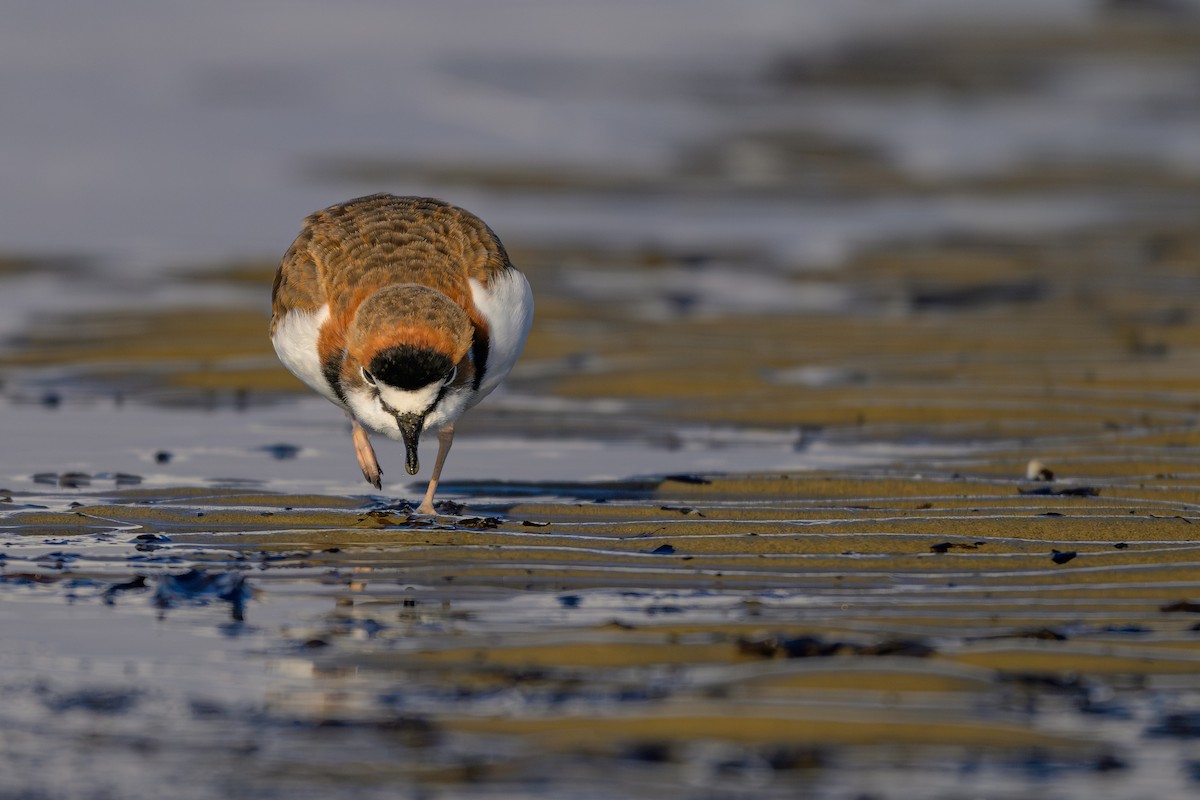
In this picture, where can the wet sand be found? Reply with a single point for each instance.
(772, 529)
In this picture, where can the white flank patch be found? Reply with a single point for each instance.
(507, 305)
(295, 343)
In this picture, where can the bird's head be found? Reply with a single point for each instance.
(407, 355)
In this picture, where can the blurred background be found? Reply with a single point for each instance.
(728, 211)
(899, 221)
(856, 261)
(825, 165)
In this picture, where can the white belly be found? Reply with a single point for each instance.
(295, 343)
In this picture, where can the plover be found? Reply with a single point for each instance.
(403, 311)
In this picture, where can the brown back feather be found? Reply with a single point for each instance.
(346, 252)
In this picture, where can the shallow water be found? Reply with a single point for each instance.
(755, 514)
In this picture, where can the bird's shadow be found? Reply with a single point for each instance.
(502, 496)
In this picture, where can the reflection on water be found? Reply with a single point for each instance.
(847, 630)
(755, 514)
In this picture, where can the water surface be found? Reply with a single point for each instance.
(754, 515)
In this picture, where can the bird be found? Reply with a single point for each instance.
(403, 311)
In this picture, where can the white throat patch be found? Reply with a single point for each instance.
(416, 401)
(368, 409)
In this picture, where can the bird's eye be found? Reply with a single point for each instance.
(450, 376)
(368, 377)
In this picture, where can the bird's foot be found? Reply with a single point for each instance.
(445, 438)
(366, 455)
(442, 508)
(375, 477)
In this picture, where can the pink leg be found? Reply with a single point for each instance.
(445, 439)
(366, 454)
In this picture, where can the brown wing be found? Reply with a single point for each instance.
(376, 241)
(297, 285)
